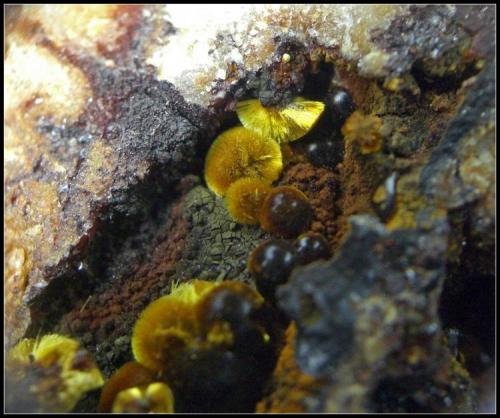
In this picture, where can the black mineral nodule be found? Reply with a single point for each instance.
(340, 104)
(311, 247)
(325, 152)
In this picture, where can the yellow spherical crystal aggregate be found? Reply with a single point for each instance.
(239, 152)
(282, 124)
(168, 325)
(244, 199)
(165, 322)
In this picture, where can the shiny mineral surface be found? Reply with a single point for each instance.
(110, 111)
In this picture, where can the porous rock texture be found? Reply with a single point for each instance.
(368, 320)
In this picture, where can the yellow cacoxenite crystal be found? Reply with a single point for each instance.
(57, 371)
(168, 324)
(238, 153)
(156, 397)
(244, 199)
(282, 124)
(181, 320)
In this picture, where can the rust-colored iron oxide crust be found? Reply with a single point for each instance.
(109, 204)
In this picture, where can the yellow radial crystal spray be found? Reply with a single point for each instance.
(238, 153)
(282, 124)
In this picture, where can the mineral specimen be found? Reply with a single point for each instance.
(188, 335)
(110, 111)
(340, 104)
(365, 131)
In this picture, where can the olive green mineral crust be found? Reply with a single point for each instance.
(216, 246)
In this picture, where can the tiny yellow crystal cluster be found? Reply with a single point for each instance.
(365, 130)
(131, 374)
(156, 397)
(54, 372)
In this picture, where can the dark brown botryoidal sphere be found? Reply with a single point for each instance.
(286, 212)
(270, 264)
(311, 247)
